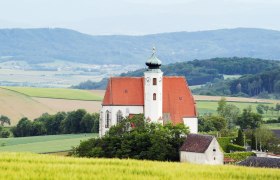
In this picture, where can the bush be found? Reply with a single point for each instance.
(5, 133)
(224, 142)
(234, 147)
(239, 156)
(134, 138)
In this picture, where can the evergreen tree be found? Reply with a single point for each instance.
(240, 138)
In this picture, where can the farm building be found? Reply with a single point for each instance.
(201, 149)
(159, 98)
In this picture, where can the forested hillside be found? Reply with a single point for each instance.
(264, 85)
(199, 72)
(46, 45)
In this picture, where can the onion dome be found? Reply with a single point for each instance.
(153, 62)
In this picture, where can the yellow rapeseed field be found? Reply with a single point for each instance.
(35, 166)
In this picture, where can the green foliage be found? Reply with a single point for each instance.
(78, 121)
(228, 111)
(4, 120)
(134, 138)
(200, 72)
(209, 123)
(224, 142)
(239, 156)
(4, 133)
(234, 147)
(240, 138)
(249, 119)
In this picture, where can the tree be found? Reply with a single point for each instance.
(23, 128)
(277, 108)
(249, 119)
(260, 108)
(221, 106)
(4, 119)
(71, 124)
(263, 135)
(240, 138)
(134, 138)
(87, 123)
(266, 108)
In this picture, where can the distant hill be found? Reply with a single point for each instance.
(198, 72)
(45, 45)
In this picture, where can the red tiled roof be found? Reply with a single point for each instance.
(124, 91)
(129, 91)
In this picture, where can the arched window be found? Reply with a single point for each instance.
(119, 116)
(107, 119)
(154, 96)
(154, 81)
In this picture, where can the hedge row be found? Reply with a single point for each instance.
(239, 156)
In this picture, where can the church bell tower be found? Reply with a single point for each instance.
(153, 90)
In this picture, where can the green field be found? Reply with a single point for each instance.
(57, 93)
(211, 107)
(43, 144)
(38, 166)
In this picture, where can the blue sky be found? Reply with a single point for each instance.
(138, 17)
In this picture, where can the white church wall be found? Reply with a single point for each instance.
(192, 123)
(113, 110)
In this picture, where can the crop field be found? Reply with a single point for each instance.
(43, 144)
(17, 105)
(57, 93)
(36, 166)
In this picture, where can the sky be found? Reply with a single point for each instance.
(138, 17)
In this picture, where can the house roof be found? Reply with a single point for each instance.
(261, 162)
(196, 143)
(129, 91)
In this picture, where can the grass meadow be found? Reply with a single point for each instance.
(57, 93)
(43, 144)
(211, 107)
(38, 166)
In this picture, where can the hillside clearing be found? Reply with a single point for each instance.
(43, 144)
(15, 165)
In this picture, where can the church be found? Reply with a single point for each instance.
(160, 98)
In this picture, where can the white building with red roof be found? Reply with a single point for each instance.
(160, 98)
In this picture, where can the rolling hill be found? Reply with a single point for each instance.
(16, 105)
(45, 45)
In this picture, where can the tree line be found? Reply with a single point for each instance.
(78, 121)
(199, 72)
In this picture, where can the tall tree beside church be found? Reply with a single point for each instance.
(240, 138)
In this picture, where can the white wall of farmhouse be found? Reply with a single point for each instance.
(113, 111)
(213, 155)
(192, 123)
